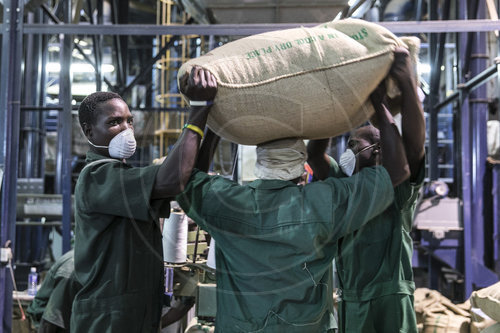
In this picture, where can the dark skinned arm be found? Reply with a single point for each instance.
(207, 150)
(175, 313)
(412, 114)
(317, 159)
(48, 327)
(175, 171)
(392, 149)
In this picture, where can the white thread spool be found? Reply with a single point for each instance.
(211, 254)
(175, 231)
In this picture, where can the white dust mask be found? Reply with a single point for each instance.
(347, 162)
(122, 145)
(348, 159)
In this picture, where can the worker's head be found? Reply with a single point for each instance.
(363, 150)
(281, 159)
(108, 124)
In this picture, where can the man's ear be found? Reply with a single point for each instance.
(87, 130)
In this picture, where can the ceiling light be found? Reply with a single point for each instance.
(54, 67)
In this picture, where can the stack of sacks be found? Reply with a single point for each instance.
(488, 301)
(437, 314)
(308, 83)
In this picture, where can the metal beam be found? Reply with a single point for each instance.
(250, 29)
(145, 69)
(97, 48)
(482, 276)
(64, 125)
(10, 95)
(435, 60)
(473, 83)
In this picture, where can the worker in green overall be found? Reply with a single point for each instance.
(275, 240)
(118, 245)
(50, 310)
(374, 263)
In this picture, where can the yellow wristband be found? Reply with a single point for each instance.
(195, 129)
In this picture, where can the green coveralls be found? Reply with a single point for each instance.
(53, 300)
(276, 242)
(118, 249)
(375, 272)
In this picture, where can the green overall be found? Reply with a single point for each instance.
(118, 249)
(375, 272)
(275, 242)
(55, 296)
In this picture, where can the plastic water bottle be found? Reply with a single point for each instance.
(32, 281)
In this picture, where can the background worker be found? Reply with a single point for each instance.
(50, 310)
(275, 240)
(118, 246)
(374, 264)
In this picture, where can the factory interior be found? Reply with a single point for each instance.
(56, 52)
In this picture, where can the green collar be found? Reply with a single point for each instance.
(91, 157)
(271, 184)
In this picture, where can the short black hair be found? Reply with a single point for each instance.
(367, 132)
(86, 111)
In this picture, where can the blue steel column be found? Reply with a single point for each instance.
(496, 188)
(473, 142)
(466, 163)
(64, 129)
(482, 276)
(10, 90)
(434, 98)
(496, 218)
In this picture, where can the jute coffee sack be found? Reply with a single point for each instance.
(308, 83)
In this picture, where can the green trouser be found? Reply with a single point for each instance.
(386, 314)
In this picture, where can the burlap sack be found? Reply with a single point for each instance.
(488, 300)
(305, 82)
(446, 323)
(426, 300)
(479, 320)
(492, 329)
(481, 326)
(436, 313)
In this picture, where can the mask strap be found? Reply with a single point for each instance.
(105, 147)
(366, 148)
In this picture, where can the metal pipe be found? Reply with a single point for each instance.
(40, 108)
(418, 12)
(434, 97)
(144, 70)
(96, 64)
(248, 29)
(465, 162)
(468, 86)
(96, 43)
(118, 42)
(10, 94)
(25, 108)
(481, 242)
(63, 162)
(26, 157)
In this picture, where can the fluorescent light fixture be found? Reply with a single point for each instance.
(77, 89)
(54, 48)
(81, 42)
(424, 68)
(55, 67)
